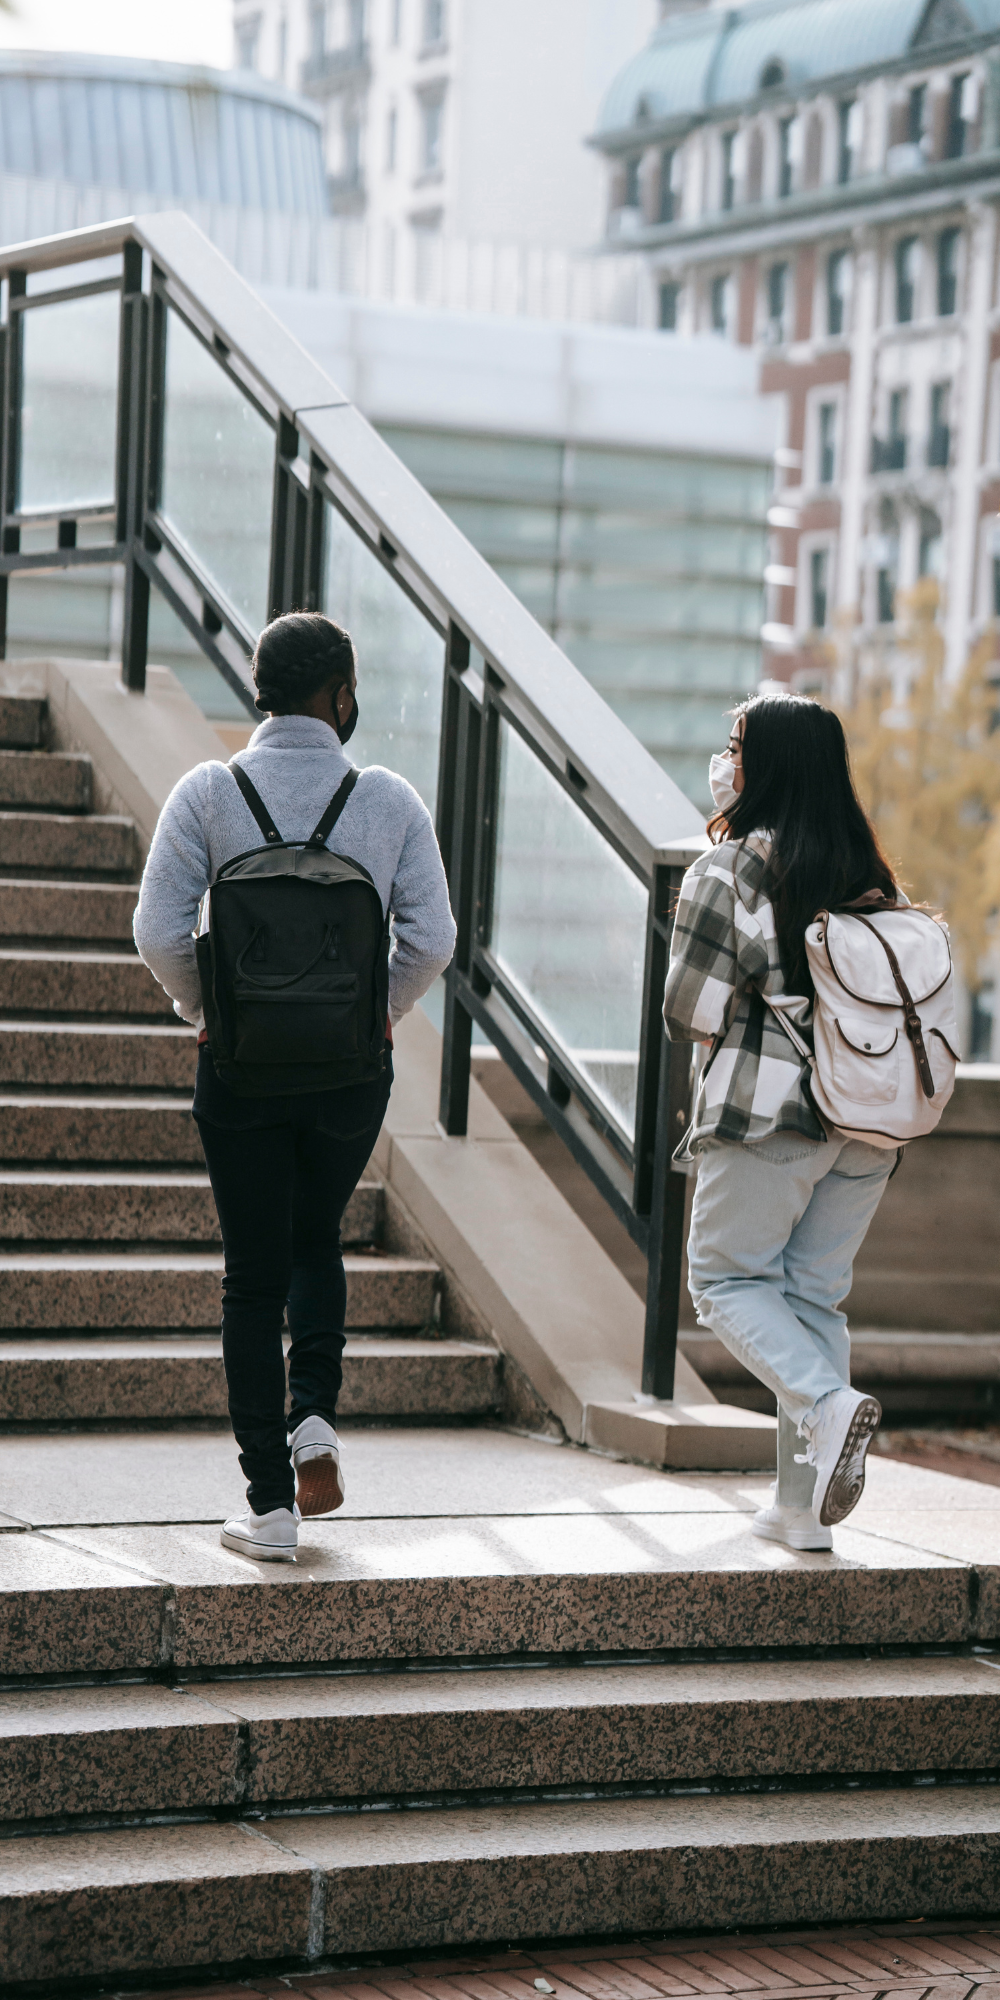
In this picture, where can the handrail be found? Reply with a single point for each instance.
(325, 452)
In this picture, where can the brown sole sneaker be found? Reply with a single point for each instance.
(847, 1480)
(319, 1485)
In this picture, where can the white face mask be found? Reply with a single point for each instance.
(720, 778)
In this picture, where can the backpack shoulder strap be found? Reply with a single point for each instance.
(910, 1015)
(322, 832)
(255, 802)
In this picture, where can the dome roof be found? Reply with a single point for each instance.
(724, 55)
(168, 129)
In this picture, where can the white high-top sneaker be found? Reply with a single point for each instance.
(794, 1526)
(319, 1482)
(837, 1445)
(272, 1537)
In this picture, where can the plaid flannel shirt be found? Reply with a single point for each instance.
(724, 946)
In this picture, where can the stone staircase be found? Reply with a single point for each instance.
(514, 1690)
(109, 1250)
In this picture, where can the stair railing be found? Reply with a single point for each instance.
(157, 416)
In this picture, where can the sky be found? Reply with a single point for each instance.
(183, 31)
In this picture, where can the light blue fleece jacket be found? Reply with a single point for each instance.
(296, 764)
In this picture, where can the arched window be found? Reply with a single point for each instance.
(772, 75)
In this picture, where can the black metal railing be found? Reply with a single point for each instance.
(232, 476)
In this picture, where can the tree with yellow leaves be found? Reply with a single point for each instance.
(926, 758)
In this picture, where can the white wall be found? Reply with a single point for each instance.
(532, 78)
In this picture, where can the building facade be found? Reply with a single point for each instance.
(451, 118)
(820, 179)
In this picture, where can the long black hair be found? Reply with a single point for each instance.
(797, 787)
(297, 655)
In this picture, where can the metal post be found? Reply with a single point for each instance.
(668, 1191)
(131, 461)
(457, 796)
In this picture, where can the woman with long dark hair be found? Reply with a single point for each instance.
(782, 1203)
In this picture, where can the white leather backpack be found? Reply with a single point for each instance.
(886, 1037)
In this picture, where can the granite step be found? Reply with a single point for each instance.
(73, 1054)
(166, 1289)
(58, 780)
(154, 1899)
(94, 911)
(98, 844)
(22, 721)
(280, 1741)
(80, 983)
(74, 1206)
(76, 1130)
(174, 1380)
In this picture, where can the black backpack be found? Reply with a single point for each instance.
(294, 965)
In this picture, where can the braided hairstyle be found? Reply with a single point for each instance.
(296, 656)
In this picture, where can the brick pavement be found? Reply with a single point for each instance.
(918, 1960)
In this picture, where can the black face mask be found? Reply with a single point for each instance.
(345, 730)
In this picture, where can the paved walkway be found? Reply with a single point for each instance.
(920, 1960)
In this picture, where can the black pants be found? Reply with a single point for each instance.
(283, 1170)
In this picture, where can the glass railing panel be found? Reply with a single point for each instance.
(218, 474)
(569, 927)
(400, 659)
(68, 403)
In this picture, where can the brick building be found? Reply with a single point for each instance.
(820, 178)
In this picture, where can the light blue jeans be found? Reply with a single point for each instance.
(775, 1229)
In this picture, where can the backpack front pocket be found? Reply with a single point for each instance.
(316, 1024)
(866, 1059)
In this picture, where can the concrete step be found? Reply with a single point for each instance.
(167, 1289)
(72, 1206)
(98, 844)
(265, 1742)
(131, 1131)
(58, 780)
(136, 1380)
(74, 1054)
(22, 721)
(79, 982)
(463, 1544)
(154, 1899)
(96, 911)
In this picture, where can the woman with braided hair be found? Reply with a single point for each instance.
(283, 1168)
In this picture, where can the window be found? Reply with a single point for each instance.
(956, 118)
(947, 271)
(317, 29)
(777, 286)
(906, 278)
(669, 301)
(886, 596)
(397, 22)
(939, 441)
(837, 280)
(433, 20)
(720, 303)
(432, 111)
(282, 47)
(929, 552)
(785, 160)
(728, 170)
(247, 38)
(981, 1022)
(827, 443)
(391, 138)
(819, 567)
(356, 23)
(772, 75)
(667, 159)
(633, 192)
(847, 122)
(351, 153)
(915, 114)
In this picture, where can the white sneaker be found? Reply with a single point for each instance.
(837, 1445)
(319, 1482)
(794, 1526)
(269, 1537)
